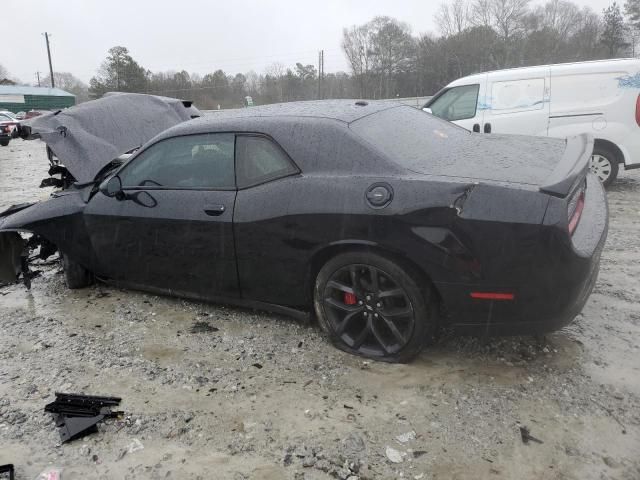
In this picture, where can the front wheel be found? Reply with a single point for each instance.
(4, 143)
(604, 164)
(75, 274)
(373, 307)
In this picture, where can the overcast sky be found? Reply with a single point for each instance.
(194, 35)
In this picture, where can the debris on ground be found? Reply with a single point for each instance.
(406, 437)
(203, 327)
(77, 415)
(393, 455)
(526, 436)
(51, 473)
(7, 472)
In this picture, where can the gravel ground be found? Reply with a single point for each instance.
(217, 392)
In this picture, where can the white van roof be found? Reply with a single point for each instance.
(588, 66)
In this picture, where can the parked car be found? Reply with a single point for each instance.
(8, 121)
(20, 115)
(383, 220)
(5, 133)
(600, 97)
(7, 116)
(34, 113)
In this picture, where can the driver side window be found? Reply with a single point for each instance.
(457, 103)
(188, 162)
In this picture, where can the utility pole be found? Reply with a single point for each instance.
(38, 75)
(320, 72)
(46, 37)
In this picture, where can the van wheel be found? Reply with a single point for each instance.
(604, 164)
(373, 307)
(75, 274)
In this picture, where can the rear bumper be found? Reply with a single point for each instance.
(551, 293)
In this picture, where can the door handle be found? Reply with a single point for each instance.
(476, 127)
(487, 128)
(214, 210)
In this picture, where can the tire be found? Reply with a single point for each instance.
(75, 274)
(383, 291)
(4, 143)
(604, 164)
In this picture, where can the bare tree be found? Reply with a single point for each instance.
(508, 19)
(69, 83)
(356, 43)
(453, 18)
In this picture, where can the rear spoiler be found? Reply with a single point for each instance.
(572, 166)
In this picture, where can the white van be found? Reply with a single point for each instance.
(599, 97)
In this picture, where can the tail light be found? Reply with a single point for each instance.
(576, 206)
(638, 110)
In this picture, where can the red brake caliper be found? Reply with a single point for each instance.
(350, 298)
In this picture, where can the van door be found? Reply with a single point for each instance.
(517, 102)
(460, 104)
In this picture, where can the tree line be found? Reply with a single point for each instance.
(386, 59)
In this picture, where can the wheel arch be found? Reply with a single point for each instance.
(323, 255)
(609, 145)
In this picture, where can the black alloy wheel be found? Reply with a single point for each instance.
(372, 308)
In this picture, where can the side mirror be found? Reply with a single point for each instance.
(427, 109)
(112, 187)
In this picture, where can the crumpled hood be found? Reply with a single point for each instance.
(88, 136)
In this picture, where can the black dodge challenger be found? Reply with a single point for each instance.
(381, 219)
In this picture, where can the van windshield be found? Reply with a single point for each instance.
(456, 103)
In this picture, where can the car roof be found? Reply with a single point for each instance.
(341, 110)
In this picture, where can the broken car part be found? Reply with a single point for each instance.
(76, 415)
(7, 472)
(88, 136)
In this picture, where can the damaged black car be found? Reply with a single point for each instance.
(382, 221)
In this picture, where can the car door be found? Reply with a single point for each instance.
(517, 105)
(172, 228)
(461, 104)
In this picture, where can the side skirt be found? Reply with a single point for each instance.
(300, 315)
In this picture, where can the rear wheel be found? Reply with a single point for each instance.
(75, 274)
(373, 307)
(604, 164)
(4, 143)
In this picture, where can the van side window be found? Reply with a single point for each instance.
(517, 95)
(457, 103)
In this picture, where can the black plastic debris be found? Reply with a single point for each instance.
(77, 415)
(526, 436)
(7, 472)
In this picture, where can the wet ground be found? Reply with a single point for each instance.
(218, 392)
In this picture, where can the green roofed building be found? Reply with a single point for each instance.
(18, 98)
